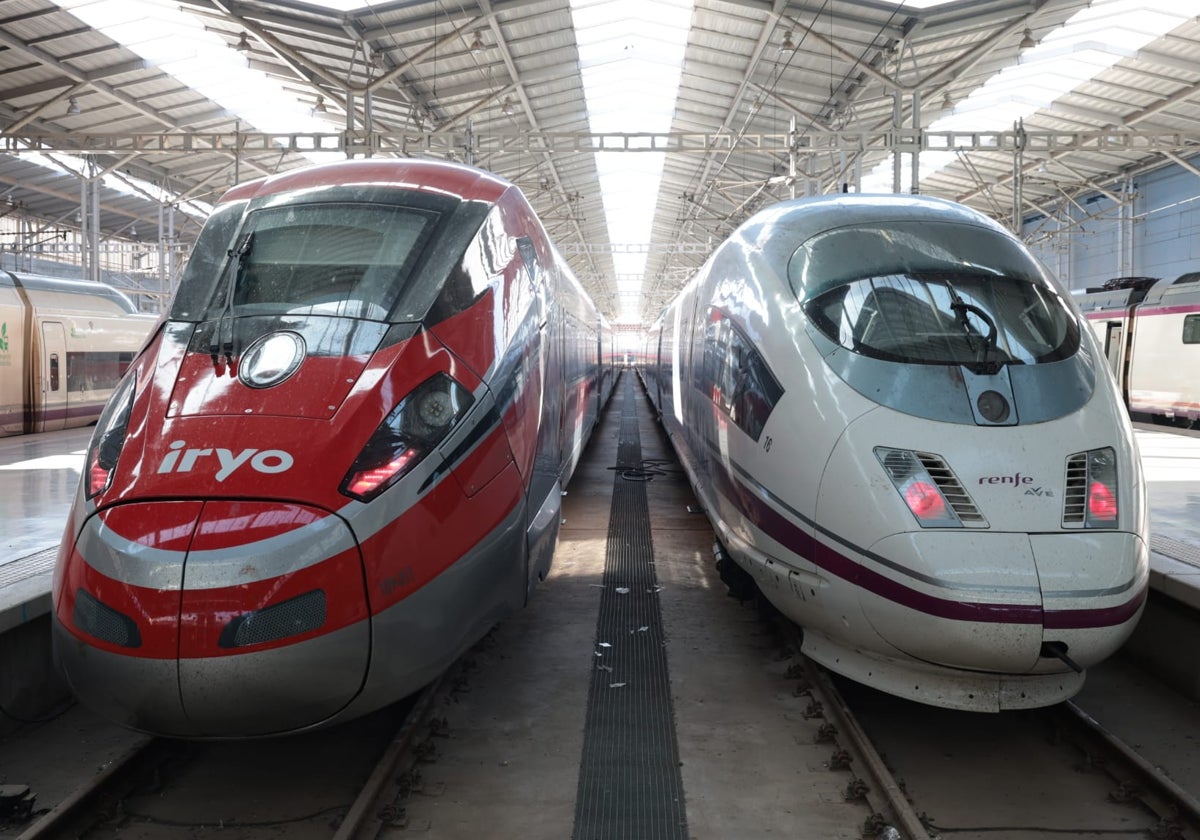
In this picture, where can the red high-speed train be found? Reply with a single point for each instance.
(340, 459)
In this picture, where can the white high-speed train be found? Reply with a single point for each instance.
(902, 429)
(64, 345)
(1150, 330)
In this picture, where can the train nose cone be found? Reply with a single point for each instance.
(251, 621)
(273, 622)
(1008, 595)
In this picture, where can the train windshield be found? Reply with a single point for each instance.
(343, 259)
(933, 294)
(332, 259)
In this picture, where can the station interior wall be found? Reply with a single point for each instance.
(1158, 235)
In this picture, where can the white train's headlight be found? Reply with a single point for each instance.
(1091, 496)
(921, 493)
(109, 437)
(412, 430)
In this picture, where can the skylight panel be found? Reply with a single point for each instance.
(1090, 42)
(177, 42)
(631, 59)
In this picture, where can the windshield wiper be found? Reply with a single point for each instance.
(218, 347)
(982, 365)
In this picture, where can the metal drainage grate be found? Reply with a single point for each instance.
(630, 784)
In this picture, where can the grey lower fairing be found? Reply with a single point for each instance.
(418, 638)
(244, 695)
(542, 536)
(331, 678)
(136, 692)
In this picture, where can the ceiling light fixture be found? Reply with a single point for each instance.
(477, 43)
(787, 45)
(320, 108)
(73, 106)
(948, 102)
(1027, 41)
(507, 106)
(243, 44)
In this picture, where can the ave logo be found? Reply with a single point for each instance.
(181, 460)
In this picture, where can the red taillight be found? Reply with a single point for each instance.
(98, 476)
(925, 500)
(1102, 504)
(923, 496)
(366, 482)
(109, 438)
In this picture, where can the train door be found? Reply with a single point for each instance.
(14, 364)
(1117, 337)
(50, 392)
(1112, 345)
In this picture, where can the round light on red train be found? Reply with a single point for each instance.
(271, 359)
(436, 409)
(925, 500)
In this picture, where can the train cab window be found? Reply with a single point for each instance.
(911, 296)
(54, 375)
(736, 376)
(203, 269)
(324, 259)
(1191, 329)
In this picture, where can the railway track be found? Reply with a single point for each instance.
(932, 774)
(340, 783)
(923, 773)
(1053, 772)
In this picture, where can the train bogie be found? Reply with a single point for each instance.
(895, 422)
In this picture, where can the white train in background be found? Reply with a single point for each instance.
(64, 345)
(903, 432)
(1150, 330)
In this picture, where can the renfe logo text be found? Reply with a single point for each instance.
(182, 460)
(1016, 479)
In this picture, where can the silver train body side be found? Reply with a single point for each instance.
(903, 429)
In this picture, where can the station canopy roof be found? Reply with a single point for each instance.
(643, 131)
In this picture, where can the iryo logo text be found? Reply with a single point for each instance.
(181, 460)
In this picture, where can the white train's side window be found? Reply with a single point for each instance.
(737, 377)
(1191, 329)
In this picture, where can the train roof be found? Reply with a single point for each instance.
(84, 288)
(1122, 292)
(806, 217)
(447, 178)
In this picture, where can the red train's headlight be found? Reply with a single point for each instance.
(412, 430)
(109, 437)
